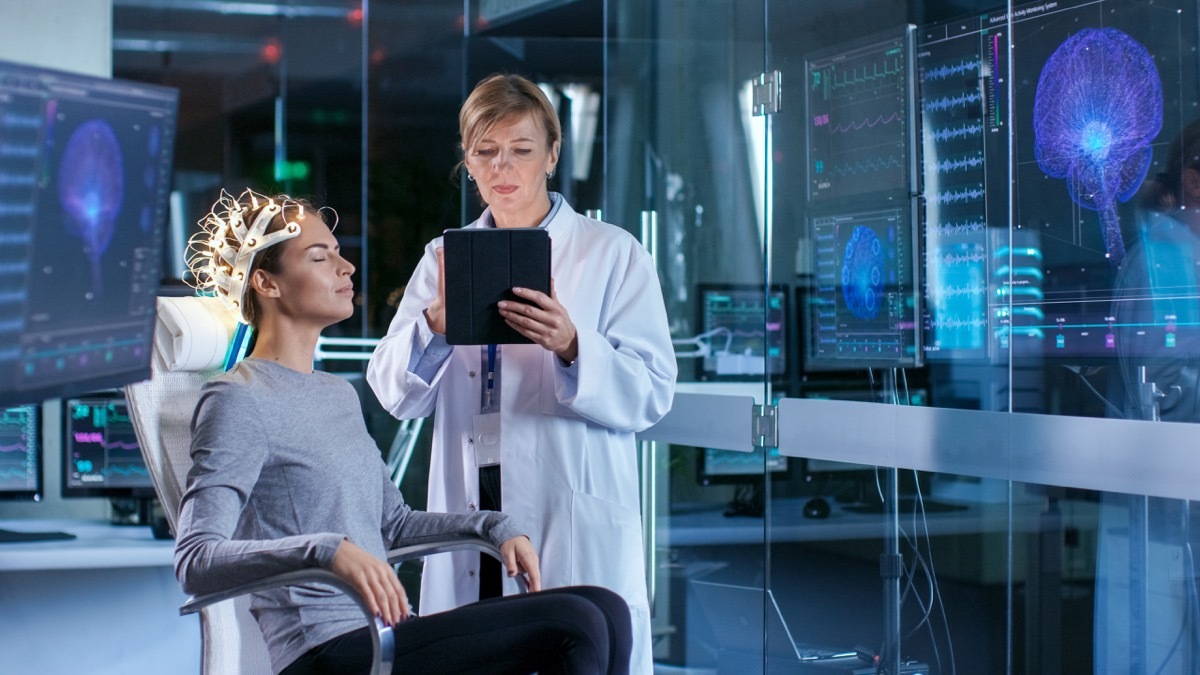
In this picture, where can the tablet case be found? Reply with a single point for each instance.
(482, 265)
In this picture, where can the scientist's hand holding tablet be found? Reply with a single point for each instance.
(495, 288)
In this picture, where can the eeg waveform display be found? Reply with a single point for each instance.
(859, 131)
(20, 451)
(101, 448)
(957, 71)
(1097, 108)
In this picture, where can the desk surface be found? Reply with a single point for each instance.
(98, 544)
(709, 526)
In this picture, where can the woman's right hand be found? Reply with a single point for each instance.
(374, 580)
(435, 314)
(520, 558)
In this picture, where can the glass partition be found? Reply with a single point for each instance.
(687, 166)
(960, 258)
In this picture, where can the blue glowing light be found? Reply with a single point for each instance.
(91, 188)
(862, 273)
(1097, 108)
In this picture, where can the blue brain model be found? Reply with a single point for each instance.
(1097, 108)
(91, 188)
(862, 273)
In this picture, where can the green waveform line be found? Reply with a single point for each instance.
(833, 82)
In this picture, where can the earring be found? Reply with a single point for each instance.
(549, 175)
(471, 178)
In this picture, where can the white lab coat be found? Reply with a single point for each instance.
(568, 468)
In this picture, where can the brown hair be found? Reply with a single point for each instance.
(499, 98)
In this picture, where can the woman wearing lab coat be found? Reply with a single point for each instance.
(561, 414)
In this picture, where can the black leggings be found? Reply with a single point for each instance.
(577, 629)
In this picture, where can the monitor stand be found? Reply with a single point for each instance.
(140, 511)
(747, 500)
(131, 510)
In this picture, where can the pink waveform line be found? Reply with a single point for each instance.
(838, 128)
(121, 445)
(19, 447)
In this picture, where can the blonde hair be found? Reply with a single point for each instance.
(500, 98)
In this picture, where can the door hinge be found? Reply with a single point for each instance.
(765, 427)
(768, 89)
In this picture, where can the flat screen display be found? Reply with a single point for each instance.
(85, 170)
(101, 453)
(20, 453)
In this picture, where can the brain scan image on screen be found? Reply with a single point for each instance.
(1097, 108)
(91, 190)
(863, 273)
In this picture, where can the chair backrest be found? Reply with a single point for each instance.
(191, 339)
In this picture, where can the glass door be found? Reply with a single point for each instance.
(685, 165)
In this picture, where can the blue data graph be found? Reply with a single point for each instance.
(19, 449)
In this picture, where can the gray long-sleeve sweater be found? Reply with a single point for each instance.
(284, 469)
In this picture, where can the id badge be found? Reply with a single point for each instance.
(486, 439)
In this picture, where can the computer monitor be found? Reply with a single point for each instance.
(862, 309)
(85, 171)
(101, 454)
(21, 453)
(723, 467)
(861, 115)
(745, 327)
(1061, 267)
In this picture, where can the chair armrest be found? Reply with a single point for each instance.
(464, 543)
(382, 640)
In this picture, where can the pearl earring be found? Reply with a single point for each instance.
(471, 178)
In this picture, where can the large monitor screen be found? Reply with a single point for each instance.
(20, 453)
(861, 119)
(862, 309)
(101, 454)
(745, 330)
(85, 170)
(1082, 259)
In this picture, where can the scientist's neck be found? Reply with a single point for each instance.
(531, 216)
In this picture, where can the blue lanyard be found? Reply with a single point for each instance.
(491, 371)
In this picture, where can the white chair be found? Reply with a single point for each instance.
(191, 339)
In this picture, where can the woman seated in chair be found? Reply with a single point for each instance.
(286, 477)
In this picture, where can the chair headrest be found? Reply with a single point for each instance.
(192, 334)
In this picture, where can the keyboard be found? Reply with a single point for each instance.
(906, 505)
(13, 537)
(814, 653)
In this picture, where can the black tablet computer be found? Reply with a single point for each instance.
(482, 267)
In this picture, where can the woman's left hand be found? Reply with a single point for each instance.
(545, 322)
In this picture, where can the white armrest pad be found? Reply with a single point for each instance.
(192, 333)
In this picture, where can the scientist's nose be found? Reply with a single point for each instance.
(502, 159)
